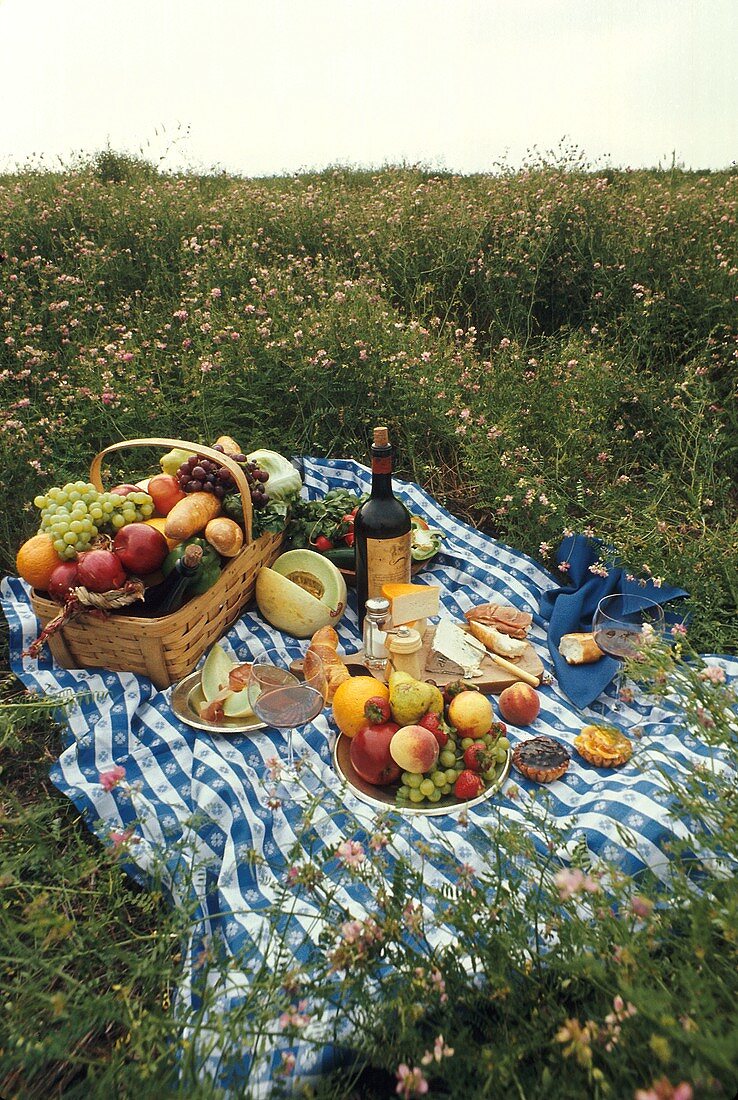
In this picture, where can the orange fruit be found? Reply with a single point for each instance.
(36, 560)
(349, 700)
(160, 522)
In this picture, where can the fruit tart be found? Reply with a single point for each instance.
(603, 746)
(541, 759)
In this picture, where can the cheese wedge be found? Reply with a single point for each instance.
(409, 602)
(454, 651)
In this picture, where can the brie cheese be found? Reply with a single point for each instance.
(454, 651)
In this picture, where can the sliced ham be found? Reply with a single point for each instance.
(507, 620)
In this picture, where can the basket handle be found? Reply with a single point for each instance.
(196, 448)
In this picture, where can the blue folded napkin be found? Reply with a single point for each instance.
(570, 609)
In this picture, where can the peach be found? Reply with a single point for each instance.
(471, 713)
(520, 704)
(414, 749)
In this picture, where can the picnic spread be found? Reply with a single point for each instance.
(480, 629)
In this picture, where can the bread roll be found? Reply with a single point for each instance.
(324, 643)
(579, 649)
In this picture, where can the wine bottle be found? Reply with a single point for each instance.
(382, 530)
(170, 594)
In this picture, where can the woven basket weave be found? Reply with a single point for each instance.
(168, 648)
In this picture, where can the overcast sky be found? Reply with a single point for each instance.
(275, 86)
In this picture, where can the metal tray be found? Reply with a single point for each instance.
(185, 701)
(383, 798)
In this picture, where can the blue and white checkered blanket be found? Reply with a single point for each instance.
(198, 802)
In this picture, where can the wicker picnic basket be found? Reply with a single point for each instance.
(168, 648)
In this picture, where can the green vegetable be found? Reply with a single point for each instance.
(343, 557)
(272, 517)
(425, 541)
(284, 481)
(311, 518)
(206, 576)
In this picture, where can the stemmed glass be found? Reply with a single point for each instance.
(282, 700)
(621, 624)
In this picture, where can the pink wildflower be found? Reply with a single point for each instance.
(295, 1016)
(714, 674)
(410, 1082)
(664, 1090)
(378, 841)
(111, 778)
(439, 1052)
(274, 765)
(642, 907)
(289, 1062)
(119, 839)
(350, 852)
(679, 630)
(570, 881)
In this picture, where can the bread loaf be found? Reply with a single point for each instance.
(579, 649)
(324, 643)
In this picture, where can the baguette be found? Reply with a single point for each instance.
(324, 643)
(579, 649)
(494, 640)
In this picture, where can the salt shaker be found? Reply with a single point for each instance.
(376, 618)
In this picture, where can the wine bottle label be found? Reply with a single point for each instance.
(388, 562)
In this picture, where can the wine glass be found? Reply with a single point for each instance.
(621, 624)
(282, 700)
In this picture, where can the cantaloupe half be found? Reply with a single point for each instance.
(302, 592)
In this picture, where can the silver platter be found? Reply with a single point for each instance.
(383, 798)
(185, 702)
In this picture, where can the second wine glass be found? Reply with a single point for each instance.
(621, 624)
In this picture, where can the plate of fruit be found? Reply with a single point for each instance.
(215, 697)
(409, 745)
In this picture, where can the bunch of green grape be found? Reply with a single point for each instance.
(418, 787)
(75, 513)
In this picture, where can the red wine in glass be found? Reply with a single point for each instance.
(282, 700)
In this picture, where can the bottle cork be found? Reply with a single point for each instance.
(381, 437)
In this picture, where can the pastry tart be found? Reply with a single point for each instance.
(603, 746)
(541, 759)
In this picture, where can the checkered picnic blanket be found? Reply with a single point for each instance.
(199, 804)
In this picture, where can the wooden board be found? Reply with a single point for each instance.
(492, 681)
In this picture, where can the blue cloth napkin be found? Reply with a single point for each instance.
(571, 608)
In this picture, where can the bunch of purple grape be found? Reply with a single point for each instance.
(202, 475)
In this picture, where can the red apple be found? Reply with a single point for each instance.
(370, 754)
(520, 704)
(140, 548)
(124, 490)
(62, 581)
(165, 492)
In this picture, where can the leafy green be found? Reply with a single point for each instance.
(284, 481)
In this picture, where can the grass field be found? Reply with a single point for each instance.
(553, 350)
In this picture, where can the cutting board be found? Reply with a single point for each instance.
(492, 681)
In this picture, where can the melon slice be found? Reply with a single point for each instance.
(302, 592)
(215, 672)
(237, 705)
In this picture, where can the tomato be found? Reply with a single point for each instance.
(165, 492)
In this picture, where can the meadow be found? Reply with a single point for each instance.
(554, 350)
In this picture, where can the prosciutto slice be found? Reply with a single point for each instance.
(507, 620)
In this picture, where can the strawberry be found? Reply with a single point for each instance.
(432, 721)
(468, 785)
(377, 710)
(455, 687)
(476, 758)
(498, 729)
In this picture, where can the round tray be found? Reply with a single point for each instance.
(186, 698)
(383, 798)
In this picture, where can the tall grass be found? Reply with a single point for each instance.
(553, 349)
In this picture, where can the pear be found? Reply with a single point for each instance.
(409, 698)
(436, 703)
